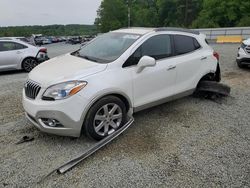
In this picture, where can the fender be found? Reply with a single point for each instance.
(102, 94)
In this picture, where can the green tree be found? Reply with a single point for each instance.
(112, 14)
(223, 13)
(50, 30)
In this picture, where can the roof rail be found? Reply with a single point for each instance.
(177, 29)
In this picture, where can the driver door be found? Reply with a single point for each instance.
(156, 83)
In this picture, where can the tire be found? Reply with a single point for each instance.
(101, 121)
(29, 63)
(211, 87)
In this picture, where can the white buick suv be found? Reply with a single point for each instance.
(95, 89)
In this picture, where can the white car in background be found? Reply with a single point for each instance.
(117, 74)
(243, 56)
(16, 54)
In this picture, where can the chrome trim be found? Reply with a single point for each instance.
(31, 89)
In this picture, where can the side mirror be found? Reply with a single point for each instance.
(145, 61)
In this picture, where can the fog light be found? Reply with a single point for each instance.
(51, 122)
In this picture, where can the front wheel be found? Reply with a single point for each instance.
(105, 117)
(29, 63)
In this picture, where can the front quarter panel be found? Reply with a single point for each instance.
(111, 81)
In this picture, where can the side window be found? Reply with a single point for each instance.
(19, 46)
(1, 47)
(158, 47)
(196, 44)
(185, 44)
(7, 46)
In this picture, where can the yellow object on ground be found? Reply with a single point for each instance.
(229, 39)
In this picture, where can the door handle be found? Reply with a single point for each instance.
(171, 67)
(18, 52)
(203, 58)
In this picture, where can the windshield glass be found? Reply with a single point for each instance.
(107, 47)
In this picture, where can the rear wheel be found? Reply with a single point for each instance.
(105, 117)
(29, 63)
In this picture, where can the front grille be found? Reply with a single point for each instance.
(31, 89)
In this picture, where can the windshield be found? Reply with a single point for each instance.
(107, 47)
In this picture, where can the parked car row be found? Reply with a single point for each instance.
(79, 39)
(40, 40)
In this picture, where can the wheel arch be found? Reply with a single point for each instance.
(212, 76)
(124, 97)
(118, 94)
(21, 65)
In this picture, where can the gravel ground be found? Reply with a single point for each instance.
(189, 142)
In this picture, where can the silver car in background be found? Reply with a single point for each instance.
(16, 55)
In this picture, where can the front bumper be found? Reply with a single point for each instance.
(243, 57)
(243, 61)
(69, 112)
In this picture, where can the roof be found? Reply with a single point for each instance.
(135, 30)
(144, 30)
(5, 38)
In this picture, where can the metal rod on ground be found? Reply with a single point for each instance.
(70, 164)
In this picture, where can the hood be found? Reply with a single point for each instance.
(64, 68)
(247, 42)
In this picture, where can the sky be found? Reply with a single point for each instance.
(47, 12)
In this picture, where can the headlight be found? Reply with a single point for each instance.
(63, 90)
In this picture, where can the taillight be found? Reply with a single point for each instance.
(44, 50)
(217, 56)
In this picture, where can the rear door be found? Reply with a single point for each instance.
(188, 58)
(10, 54)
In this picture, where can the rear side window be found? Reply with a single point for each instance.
(20, 46)
(158, 47)
(185, 44)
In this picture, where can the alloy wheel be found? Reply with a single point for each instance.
(29, 64)
(107, 119)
